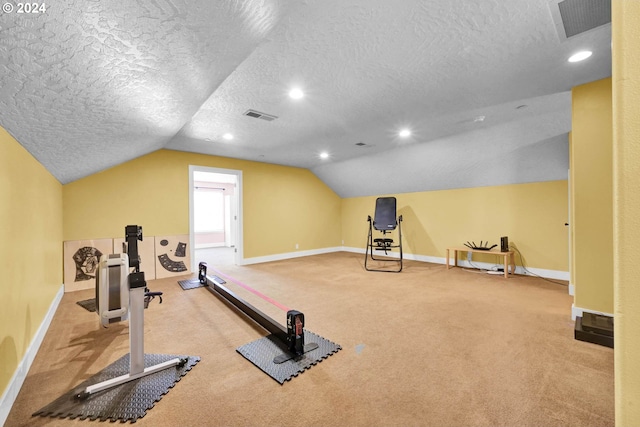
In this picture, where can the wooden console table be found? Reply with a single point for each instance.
(508, 257)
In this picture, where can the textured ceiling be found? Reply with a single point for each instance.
(87, 85)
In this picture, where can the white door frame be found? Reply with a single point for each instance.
(239, 250)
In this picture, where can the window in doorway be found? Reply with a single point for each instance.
(208, 210)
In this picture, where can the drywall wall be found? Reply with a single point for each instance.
(626, 208)
(592, 196)
(31, 236)
(572, 234)
(531, 215)
(282, 206)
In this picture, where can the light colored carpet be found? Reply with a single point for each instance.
(425, 347)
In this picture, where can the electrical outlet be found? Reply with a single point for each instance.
(469, 256)
(296, 246)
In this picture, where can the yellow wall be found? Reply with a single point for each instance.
(592, 183)
(531, 215)
(572, 240)
(282, 205)
(31, 236)
(626, 207)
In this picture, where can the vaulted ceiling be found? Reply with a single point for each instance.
(483, 85)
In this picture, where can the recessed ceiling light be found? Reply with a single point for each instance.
(404, 133)
(479, 119)
(324, 155)
(580, 56)
(227, 136)
(296, 93)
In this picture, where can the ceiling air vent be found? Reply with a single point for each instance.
(259, 115)
(573, 17)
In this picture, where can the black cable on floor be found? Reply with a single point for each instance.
(524, 267)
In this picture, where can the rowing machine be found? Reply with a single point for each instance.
(121, 295)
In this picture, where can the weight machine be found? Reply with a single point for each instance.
(292, 336)
(287, 350)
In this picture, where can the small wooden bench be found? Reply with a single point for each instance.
(508, 257)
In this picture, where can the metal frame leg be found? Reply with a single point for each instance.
(369, 249)
(136, 346)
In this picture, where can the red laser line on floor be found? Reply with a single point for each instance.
(253, 291)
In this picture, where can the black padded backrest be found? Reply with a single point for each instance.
(385, 217)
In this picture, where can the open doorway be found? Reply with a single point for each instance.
(215, 216)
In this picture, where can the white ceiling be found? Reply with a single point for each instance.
(87, 85)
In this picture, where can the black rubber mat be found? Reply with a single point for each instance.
(126, 402)
(88, 304)
(190, 284)
(262, 352)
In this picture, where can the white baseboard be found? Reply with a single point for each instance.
(548, 274)
(288, 255)
(10, 394)
(578, 311)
